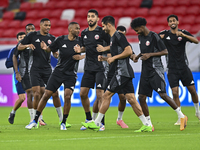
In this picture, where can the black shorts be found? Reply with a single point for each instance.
(107, 83)
(91, 77)
(185, 75)
(118, 83)
(155, 82)
(26, 82)
(57, 78)
(39, 77)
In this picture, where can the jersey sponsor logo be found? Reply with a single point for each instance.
(192, 82)
(110, 43)
(158, 90)
(38, 40)
(49, 41)
(96, 37)
(85, 37)
(168, 38)
(147, 43)
(65, 46)
(179, 38)
(99, 85)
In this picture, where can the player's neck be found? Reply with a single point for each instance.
(42, 33)
(173, 31)
(92, 28)
(71, 37)
(112, 32)
(146, 32)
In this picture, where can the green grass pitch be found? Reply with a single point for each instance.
(166, 135)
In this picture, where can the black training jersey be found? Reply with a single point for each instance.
(41, 59)
(122, 67)
(176, 57)
(66, 63)
(25, 61)
(150, 44)
(90, 39)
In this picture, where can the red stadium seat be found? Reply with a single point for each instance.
(33, 14)
(38, 6)
(135, 4)
(195, 2)
(61, 5)
(109, 4)
(129, 12)
(180, 10)
(155, 11)
(57, 31)
(85, 4)
(159, 28)
(97, 4)
(25, 22)
(26, 6)
(162, 20)
(184, 2)
(54, 22)
(62, 23)
(197, 20)
(194, 10)
(4, 3)
(158, 3)
(56, 14)
(142, 12)
(44, 14)
(4, 24)
(9, 33)
(9, 15)
(81, 13)
(121, 4)
(189, 19)
(185, 27)
(81, 21)
(167, 10)
(151, 20)
(50, 5)
(117, 12)
(73, 4)
(16, 24)
(131, 32)
(171, 3)
(195, 29)
(104, 12)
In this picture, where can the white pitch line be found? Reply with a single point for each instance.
(91, 138)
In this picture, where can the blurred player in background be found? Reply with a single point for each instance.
(175, 40)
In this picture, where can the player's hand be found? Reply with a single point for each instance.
(135, 58)
(100, 58)
(43, 45)
(110, 60)
(18, 77)
(56, 54)
(100, 48)
(145, 56)
(77, 48)
(31, 46)
(162, 36)
(179, 33)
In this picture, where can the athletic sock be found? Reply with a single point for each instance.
(103, 120)
(34, 112)
(196, 106)
(120, 114)
(179, 113)
(13, 112)
(37, 115)
(31, 113)
(64, 118)
(144, 120)
(149, 120)
(98, 119)
(94, 115)
(60, 114)
(88, 115)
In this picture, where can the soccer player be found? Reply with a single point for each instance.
(93, 69)
(152, 74)
(175, 40)
(121, 51)
(20, 91)
(41, 69)
(22, 74)
(65, 71)
(122, 102)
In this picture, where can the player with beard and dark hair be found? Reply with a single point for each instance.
(175, 40)
(152, 74)
(94, 71)
(41, 68)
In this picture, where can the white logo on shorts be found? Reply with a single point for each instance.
(72, 87)
(99, 85)
(192, 82)
(159, 90)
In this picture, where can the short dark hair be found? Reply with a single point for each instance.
(175, 16)
(44, 19)
(108, 19)
(20, 33)
(93, 11)
(121, 28)
(29, 24)
(72, 23)
(137, 22)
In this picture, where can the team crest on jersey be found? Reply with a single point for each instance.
(179, 38)
(147, 43)
(49, 41)
(96, 36)
(110, 43)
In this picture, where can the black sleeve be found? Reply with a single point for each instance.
(106, 37)
(27, 38)
(159, 43)
(82, 36)
(54, 46)
(123, 41)
(187, 33)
